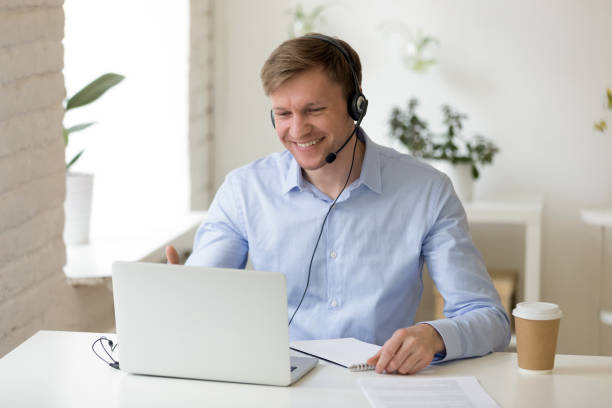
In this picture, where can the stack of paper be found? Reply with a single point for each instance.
(407, 391)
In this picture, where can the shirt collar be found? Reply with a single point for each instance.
(370, 169)
(293, 177)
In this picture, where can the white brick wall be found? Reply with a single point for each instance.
(34, 294)
(201, 94)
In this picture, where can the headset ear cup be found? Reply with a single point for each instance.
(352, 106)
(357, 106)
(362, 105)
(272, 119)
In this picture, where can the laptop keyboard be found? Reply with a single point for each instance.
(293, 368)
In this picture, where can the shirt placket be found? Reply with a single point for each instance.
(332, 255)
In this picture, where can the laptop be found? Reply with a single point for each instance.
(204, 323)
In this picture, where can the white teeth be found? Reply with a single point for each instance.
(309, 143)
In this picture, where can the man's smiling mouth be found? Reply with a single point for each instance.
(308, 144)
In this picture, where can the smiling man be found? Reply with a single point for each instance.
(311, 120)
(352, 233)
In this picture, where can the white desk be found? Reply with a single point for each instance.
(58, 369)
(524, 212)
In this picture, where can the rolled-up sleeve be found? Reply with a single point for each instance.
(221, 240)
(475, 323)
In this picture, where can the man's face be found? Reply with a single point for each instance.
(311, 117)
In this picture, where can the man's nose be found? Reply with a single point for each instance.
(299, 126)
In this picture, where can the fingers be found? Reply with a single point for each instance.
(172, 255)
(389, 350)
(374, 359)
(406, 352)
(410, 365)
(415, 363)
(420, 364)
(419, 357)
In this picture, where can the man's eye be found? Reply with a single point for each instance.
(316, 110)
(282, 114)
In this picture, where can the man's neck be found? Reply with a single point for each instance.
(330, 178)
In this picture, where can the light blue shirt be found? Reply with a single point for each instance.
(366, 279)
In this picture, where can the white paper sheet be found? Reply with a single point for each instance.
(455, 392)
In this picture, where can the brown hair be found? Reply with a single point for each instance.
(299, 54)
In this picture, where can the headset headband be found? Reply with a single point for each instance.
(357, 104)
(340, 48)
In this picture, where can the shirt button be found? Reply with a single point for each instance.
(333, 254)
(334, 303)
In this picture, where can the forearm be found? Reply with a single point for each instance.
(214, 246)
(474, 333)
(221, 241)
(219, 256)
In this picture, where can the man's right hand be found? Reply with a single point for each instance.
(172, 255)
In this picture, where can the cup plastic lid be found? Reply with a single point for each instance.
(537, 311)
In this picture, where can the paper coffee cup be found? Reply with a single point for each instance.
(537, 328)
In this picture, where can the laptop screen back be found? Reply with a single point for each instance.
(198, 322)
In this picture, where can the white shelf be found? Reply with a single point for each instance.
(605, 316)
(525, 211)
(91, 264)
(597, 216)
(512, 211)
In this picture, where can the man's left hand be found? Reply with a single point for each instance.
(409, 350)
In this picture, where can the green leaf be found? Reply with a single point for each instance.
(75, 128)
(475, 172)
(428, 40)
(421, 65)
(74, 159)
(449, 145)
(601, 126)
(609, 95)
(79, 127)
(94, 90)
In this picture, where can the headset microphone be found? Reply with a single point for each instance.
(332, 156)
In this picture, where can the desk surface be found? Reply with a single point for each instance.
(58, 369)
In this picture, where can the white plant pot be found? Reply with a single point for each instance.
(460, 175)
(77, 208)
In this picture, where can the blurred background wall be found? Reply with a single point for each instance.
(530, 75)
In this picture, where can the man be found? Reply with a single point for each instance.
(354, 268)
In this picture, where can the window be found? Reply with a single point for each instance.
(138, 149)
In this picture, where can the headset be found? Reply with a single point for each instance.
(357, 106)
(112, 346)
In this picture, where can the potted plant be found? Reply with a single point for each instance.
(79, 186)
(449, 151)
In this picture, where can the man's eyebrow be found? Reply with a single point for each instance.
(308, 105)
